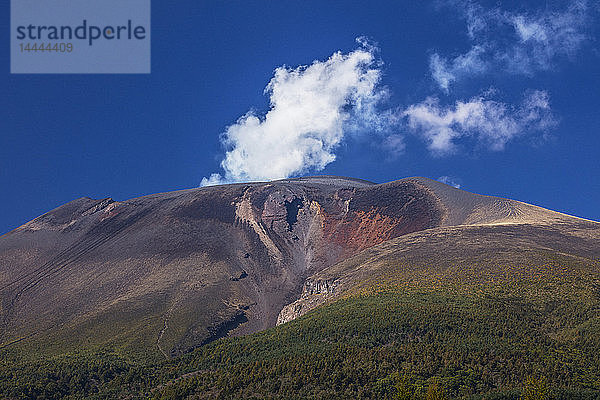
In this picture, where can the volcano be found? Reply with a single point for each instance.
(170, 272)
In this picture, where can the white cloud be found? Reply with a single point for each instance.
(544, 37)
(312, 108)
(445, 72)
(394, 144)
(518, 43)
(491, 123)
(449, 181)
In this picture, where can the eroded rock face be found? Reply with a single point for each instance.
(314, 294)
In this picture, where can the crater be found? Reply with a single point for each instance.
(292, 208)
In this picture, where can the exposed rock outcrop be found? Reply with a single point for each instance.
(314, 294)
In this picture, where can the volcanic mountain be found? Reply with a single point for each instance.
(170, 272)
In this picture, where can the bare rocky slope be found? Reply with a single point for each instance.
(169, 272)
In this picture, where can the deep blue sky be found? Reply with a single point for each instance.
(122, 136)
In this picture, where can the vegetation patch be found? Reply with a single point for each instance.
(387, 343)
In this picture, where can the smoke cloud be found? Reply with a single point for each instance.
(312, 109)
(448, 180)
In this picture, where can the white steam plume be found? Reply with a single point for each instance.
(312, 108)
(448, 180)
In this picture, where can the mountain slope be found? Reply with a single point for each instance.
(474, 311)
(169, 272)
(404, 288)
(470, 257)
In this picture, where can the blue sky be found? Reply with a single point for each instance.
(501, 98)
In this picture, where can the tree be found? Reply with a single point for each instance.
(535, 389)
(436, 391)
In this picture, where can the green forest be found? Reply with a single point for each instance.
(527, 342)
